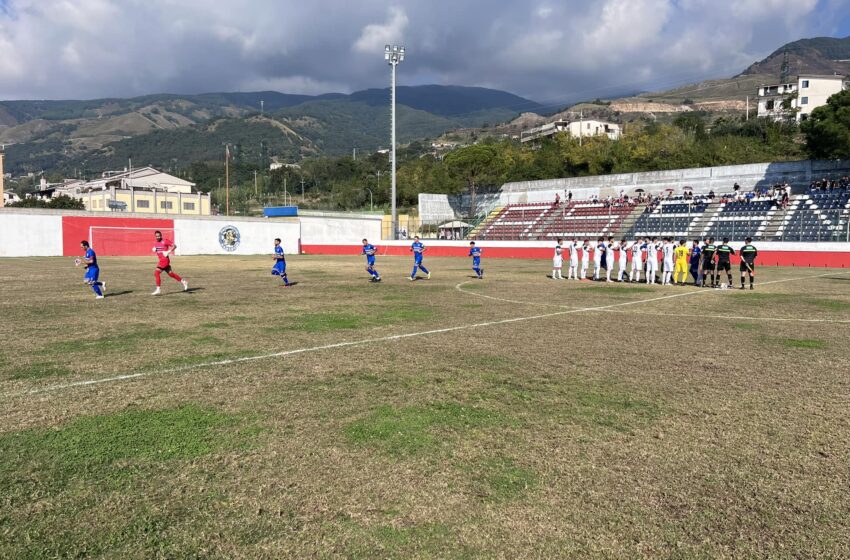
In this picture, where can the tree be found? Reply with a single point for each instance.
(472, 164)
(63, 202)
(827, 130)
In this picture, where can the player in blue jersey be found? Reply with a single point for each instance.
(418, 248)
(369, 250)
(92, 277)
(475, 253)
(279, 268)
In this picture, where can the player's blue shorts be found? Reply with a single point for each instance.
(370, 260)
(92, 274)
(417, 258)
(476, 262)
(279, 268)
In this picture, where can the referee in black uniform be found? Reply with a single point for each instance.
(748, 262)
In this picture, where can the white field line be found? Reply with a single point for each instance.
(701, 290)
(127, 377)
(733, 317)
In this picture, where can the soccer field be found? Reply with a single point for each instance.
(515, 416)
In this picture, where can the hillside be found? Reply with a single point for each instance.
(720, 97)
(50, 135)
(819, 55)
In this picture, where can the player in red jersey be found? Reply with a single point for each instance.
(163, 249)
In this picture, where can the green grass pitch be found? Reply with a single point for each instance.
(512, 417)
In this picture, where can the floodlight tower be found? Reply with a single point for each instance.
(393, 54)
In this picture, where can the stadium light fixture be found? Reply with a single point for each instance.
(393, 54)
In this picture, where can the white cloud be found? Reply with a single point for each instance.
(376, 35)
(541, 49)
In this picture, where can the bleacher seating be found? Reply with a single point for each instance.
(668, 220)
(515, 221)
(585, 219)
(817, 216)
(738, 220)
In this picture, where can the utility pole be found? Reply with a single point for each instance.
(302, 189)
(284, 190)
(262, 107)
(748, 108)
(393, 55)
(580, 126)
(354, 154)
(2, 203)
(226, 179)
(255, 183)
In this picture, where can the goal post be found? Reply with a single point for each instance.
(116, 241)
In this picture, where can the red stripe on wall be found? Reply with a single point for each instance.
(132, 236)
(765, 258)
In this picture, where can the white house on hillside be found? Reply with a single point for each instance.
(576, 129)
(798, 99)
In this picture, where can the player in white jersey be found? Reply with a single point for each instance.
(572, 273)
(557, 262)
(597, 258)
(651, 260)
(585, 258)
(609, 259)
(667, 261)
(623, 247)
(638, 247)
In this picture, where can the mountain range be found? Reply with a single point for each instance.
(166, 129)
(172, 130)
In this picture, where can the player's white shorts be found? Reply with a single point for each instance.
(573, 263)
(557, 262)
(651, 265)
(668, 266)
(637, 264)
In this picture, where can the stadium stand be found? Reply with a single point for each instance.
(817, 216)
(515, 221)
(668, 219)
(820, 214)
(586, 219)
(740, 219)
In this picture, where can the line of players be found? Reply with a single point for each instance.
(704, 262)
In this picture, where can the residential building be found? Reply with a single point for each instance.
(145, 190)
(777, 101)
(798, 99)
(9, 197)
(813, 91)
(576, 129)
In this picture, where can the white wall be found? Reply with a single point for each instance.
(336, 229)
(30, 235)
(200, 237)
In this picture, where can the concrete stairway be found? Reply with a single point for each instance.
(485, 223)
(697, 228)
(628, 223)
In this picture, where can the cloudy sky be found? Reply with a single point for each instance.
(547, 50)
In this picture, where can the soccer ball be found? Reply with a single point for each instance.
(724, 286)
(77, 262)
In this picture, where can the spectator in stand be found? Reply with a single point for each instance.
(570, 196)
(557, 199)
(710, 195)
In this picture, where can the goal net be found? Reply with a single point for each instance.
(125, 241)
